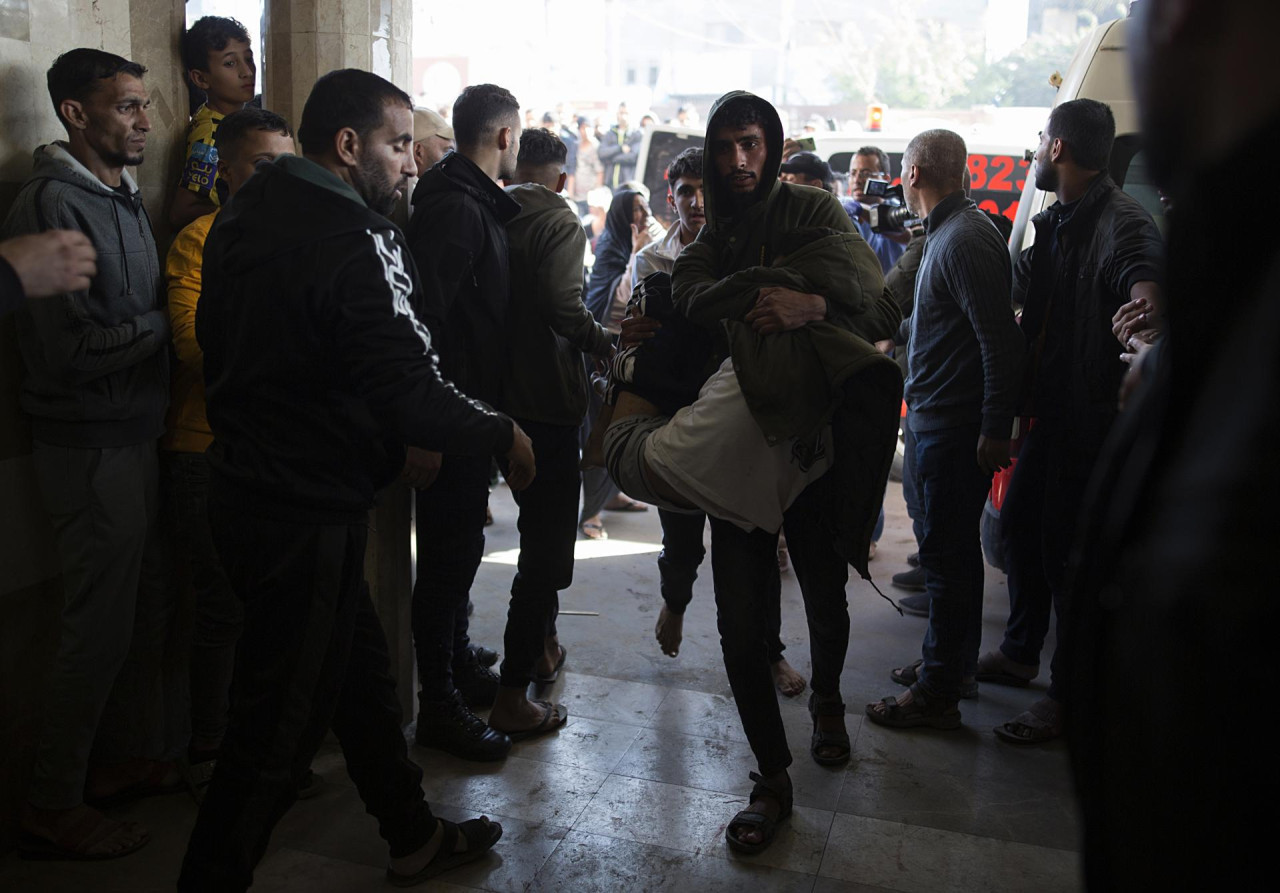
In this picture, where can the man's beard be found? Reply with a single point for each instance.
(121, 159)
(737, 202)
(374, 186)
(1046, 178)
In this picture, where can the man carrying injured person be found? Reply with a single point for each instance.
(778, 301)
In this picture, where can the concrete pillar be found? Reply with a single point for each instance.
(304, 39)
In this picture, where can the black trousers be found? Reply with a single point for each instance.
(312, 656)
(449, 520)
(741, 562)
(678, 562)
(548, 528)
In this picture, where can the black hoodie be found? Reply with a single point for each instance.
(458, 236)
(317, 369)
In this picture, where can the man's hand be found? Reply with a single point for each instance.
(1140, 314)
(993, 454)
(885, 347)
(636, 330)
(626, 147)
(420, 467)
(520, 465)
(780, 309)
(51, 263)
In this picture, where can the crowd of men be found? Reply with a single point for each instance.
(296, 352)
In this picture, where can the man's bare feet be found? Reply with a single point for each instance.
(515, 715)
(768, 805)
(669, 631)
(551, 661)
(786, 677)
(80, 832)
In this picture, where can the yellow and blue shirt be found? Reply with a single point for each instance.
(200, 168)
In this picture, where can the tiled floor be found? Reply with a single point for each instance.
(634, 793)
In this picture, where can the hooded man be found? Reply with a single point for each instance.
(793, 377)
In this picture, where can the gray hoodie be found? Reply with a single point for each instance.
(549, 328)
(97, 371)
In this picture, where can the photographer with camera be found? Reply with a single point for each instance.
(870, 164)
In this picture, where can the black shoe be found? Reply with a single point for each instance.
(477, 684)
(914, 559)
(486, 657)
(452, 727)
(915, 605)
(912, 579)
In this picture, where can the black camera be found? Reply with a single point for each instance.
(891, 215)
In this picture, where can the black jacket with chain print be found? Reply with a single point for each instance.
(317, 367)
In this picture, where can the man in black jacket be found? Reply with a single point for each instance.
(1096, 249)
(458, 237)
(619, 151)
(312, 396)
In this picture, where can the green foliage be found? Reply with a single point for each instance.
(1022, 77)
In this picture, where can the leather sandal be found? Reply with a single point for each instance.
(921, 712)
(758, 821)
(827, 740)
(480, 835)
(910, 674)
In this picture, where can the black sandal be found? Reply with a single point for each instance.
(480, 835)
(758, 821)
(826, 740)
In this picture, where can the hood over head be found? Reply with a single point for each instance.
(717, 206)
(617, 221)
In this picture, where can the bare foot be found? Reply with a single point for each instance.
(903, 700)
(416, 861)
(785, 676)
(82, 830)
(669, 631)
(767, 805)
(513, 711)
(546, 664)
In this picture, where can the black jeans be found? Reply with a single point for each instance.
(217, 610)
(548, 528)
(743, 564)
(1038, 525)
(678, 562)
(312, 656)
(449, 520)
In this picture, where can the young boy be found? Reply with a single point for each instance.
(219, 61)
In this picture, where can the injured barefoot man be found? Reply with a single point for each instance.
(758, 398)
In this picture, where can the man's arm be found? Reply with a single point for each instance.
(182, 271)
(387, 352)
(978, 276)
(1135, 268)
(609, 150)
(559, 292)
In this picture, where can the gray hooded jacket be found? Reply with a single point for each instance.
(97, 371)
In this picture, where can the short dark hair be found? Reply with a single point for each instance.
(480, 110)
(739, 113)
(941, 156)
(209, 34)
(882, 158)
(1088, 129)
(239, 124)
(540, 147)
(75, 74)
(687, 164)
(348, 97)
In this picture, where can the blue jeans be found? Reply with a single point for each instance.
(910, 489)
(954, 491)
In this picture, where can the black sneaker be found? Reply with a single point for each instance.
(915, 605)
(914, 559)
(486, 657)
(912, 579)
(477, 684)
(452, 727)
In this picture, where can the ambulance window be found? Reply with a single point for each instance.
(1130, 171)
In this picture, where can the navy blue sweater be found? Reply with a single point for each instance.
(965, 350)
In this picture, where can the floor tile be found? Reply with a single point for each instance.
(718, 764)
(515, 859)
(529, 790)
(694, 821)
(908, 858)
(586, 863)
(1008, 807)
(583, 743)
(599, 697)
(288, 871)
